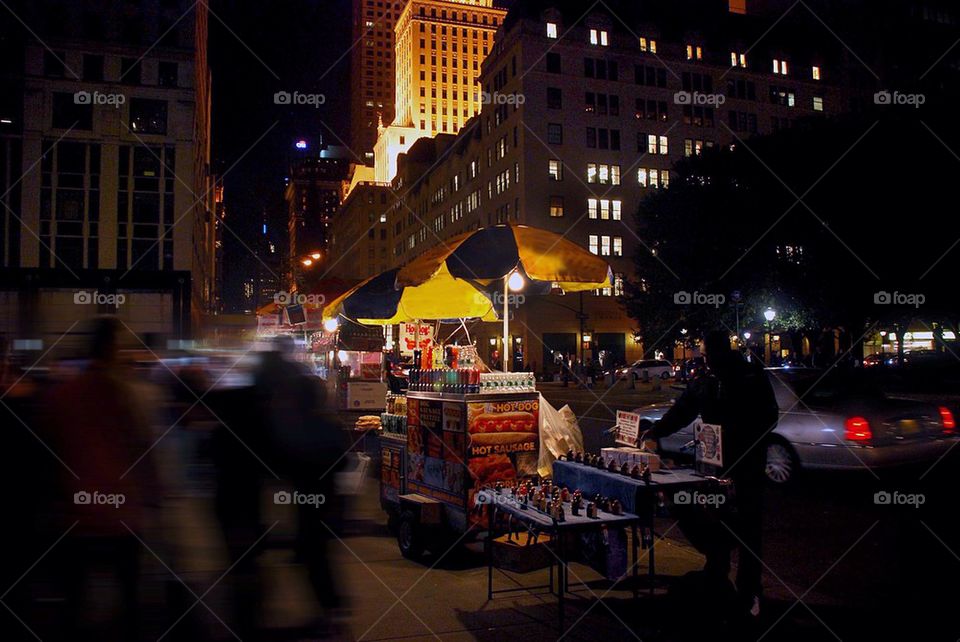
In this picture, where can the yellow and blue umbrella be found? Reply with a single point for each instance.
(380, 301)
(493, 253)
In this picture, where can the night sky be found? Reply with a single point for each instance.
(255, 50)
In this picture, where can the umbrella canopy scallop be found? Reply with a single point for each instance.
(492, 253)
(380, 301)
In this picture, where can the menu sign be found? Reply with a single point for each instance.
(436, 450)
(628, 428)
(415, 336)
(503, 441)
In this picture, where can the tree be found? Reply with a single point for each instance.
(823, 222)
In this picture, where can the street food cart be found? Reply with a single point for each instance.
(460, 428)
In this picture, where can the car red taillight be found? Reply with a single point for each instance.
(948, 422)
(858, 429)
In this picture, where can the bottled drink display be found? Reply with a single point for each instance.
(454, 370)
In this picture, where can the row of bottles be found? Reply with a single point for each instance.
(458, 381)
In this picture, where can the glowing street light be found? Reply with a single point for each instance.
(315, 256)
(331, 325)
(746, 335)
(770, 314)
(515, 283)
(307, 262)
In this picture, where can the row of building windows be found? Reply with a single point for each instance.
(693, 51)
(93, 65)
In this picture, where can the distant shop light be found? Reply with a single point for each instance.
(301, 144)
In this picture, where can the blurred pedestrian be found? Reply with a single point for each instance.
(101, 432)
(310, 449)
(26, 471)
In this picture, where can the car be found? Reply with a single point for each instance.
(836, 421)
(647, 369)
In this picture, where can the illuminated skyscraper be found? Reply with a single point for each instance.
(441, 45)
(372, 71)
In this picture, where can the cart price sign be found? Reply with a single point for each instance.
(709, 443)
(628, 428)
(415, 336)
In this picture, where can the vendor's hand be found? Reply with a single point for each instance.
(646, 442)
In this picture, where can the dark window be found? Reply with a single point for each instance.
(554, 98)
(168, 74)
(148, 116)
(615, 139)
(555, 133)
(92, 67)
(53, 64)
(553, 63)
(130, 71)
(588, 69)
(591, 137)
(68, 112)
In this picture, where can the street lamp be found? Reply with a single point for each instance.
(746, 336)
(307, 262)
(514, 283)
(769, 314)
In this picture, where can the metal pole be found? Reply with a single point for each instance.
(506, 328)
(580, 350)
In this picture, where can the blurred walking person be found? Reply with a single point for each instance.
(309, 446)
(100, 430)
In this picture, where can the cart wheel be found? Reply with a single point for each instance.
(409, 537)
(665, 375)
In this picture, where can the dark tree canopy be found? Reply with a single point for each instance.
(817, 221)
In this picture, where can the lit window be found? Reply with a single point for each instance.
(614, 174)
(591, 172)
(604, 246)
(694, 52)
(604, 174)
(552, 30)
(648, 45)
(817, 103)
(738, 59)
(383, 218)
(605, 209)
(780, 66)
(599, 37)
(556, 170)
(556, 206)
(615, 209)
(815, 72)
(618, 284)
(594, 243)
(618, 246)
(592, 208)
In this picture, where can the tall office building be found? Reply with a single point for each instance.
(440, 47)
(372, 71)
(313, 194)
(104, 167)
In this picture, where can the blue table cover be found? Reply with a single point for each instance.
(632, 493)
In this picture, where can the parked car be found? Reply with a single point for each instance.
(836, 421)
(647, 368)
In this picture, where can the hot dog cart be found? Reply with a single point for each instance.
(452, 445)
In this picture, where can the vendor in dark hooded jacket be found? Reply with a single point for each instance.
(736, 395)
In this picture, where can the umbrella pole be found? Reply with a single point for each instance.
(506, 328)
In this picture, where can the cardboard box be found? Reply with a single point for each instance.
(632, 456)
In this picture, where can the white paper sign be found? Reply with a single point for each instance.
(709, 443)
(628, 427)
